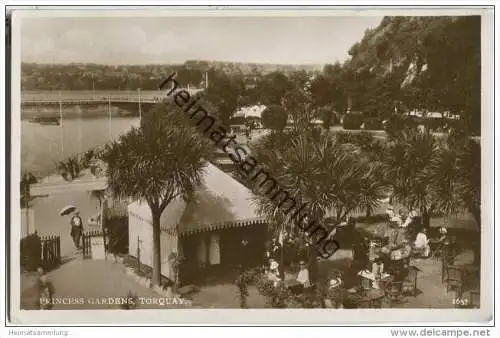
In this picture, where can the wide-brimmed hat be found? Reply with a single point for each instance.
(335, 282)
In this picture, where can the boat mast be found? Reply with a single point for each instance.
(109, 114)
(62, 129)
(140, 110)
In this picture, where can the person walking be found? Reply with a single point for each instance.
(45, 290)
(76, 228)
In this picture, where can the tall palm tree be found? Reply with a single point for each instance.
(327, 176)
(159, 162)
(408, 165)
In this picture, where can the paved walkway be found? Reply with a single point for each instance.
(91, 280)
(49, 223)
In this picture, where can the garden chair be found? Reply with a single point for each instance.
(454, 279)
(444, 269)
(394, 292)
(474, 299)
(376, 303)
(365, 284)
(410, 283)
(363, 303)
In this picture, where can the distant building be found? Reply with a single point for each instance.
(251, 112)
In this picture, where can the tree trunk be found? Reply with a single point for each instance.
(313, 264)
(156, 278)
(426, 218)
(368, 211)
(476, 212)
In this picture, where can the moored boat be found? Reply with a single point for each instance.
(45, 120)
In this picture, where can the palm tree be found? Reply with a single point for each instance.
(469, 173)
(70, 168)
(327, 176)
(408, 165)
(158, 162)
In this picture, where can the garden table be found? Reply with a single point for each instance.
(370, 298)
(371, 280)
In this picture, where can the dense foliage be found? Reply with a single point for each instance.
(157, 163)
(427, 63)
(31, 252)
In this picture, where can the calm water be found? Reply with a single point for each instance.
(43, 145)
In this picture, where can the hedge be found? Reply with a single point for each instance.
(352, 121)
(31, 252)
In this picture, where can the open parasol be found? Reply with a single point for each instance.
(67, 210)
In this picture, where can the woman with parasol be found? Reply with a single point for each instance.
(75, 222)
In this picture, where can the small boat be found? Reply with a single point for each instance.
(46, 120)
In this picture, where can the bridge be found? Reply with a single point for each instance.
(95, 97)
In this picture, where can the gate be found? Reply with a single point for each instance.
(87, 242)
(51, 251)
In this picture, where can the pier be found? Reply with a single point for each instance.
(95, 97)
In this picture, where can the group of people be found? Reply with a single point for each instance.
(276, 274)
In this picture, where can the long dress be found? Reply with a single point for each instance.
(214, 250)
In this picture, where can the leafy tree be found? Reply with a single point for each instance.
(224, 92)
(272, 88)
(298, 104)
(327, 115)
(274, 117)
(159, 162)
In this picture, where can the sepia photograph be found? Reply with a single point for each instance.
(325, 161)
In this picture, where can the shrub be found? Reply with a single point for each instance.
(31, 252)
(117, 227)
(343, 137)
(352, 121)
(242, 282)
(276, 297)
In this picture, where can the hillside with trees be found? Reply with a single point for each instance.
(425, 63)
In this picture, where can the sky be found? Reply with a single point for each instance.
(171, 40)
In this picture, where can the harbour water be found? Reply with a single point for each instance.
(42, 146)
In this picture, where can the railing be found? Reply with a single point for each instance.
(87, 242)
(50, 251)
(76, 97)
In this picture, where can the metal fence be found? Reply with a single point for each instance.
(87, 239)
(50, 251)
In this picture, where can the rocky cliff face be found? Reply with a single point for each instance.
(427, 62)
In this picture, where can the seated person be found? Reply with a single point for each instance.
(345, 222)
(332, 233)
(303, 276)
(396, 239)
(401, 272)
(274, 273)
(443, 235)
(360, 254)
(378, 267)
(335, 292)
(422, 242)
(407, 222)
(390, 212)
